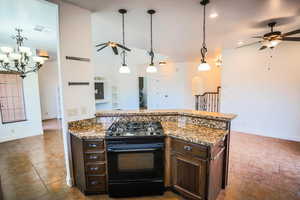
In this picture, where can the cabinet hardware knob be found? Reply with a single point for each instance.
(94, 182)
(92, 145)
(93, 157)
(187, 148)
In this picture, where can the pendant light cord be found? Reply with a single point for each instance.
(204, 26)
(123, 33)
(151, 40)
(204, 48)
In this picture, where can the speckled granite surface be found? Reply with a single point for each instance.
(194, 133)
(188, 113)
(188, 132)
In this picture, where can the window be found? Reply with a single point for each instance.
(11, 98)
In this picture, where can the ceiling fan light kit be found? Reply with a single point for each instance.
(204, 66)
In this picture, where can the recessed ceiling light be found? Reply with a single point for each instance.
(213, 15)
(240, 43)
(162, 63)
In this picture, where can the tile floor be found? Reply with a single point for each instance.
(261, 168)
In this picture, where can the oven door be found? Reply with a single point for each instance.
(135, 162)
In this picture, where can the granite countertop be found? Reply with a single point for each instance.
(96, 131)
(191, 113)
(194, 133)
(188, 132)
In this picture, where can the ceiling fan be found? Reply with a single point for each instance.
(115, 45)
(273, 38)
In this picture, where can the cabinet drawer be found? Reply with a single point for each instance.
(93, 145)
(94, 157)
(189, 148)
(96, 182)
(95, 169)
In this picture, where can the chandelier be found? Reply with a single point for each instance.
(19, 59)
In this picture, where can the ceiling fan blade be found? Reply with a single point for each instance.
(263, 47)
(102, 48)
(291, 33)
(296, 39)
(115, 50)
(123, 47)
(257, 36)
(250, 44)
(98, 45)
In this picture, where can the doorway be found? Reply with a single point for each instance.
(143, 93)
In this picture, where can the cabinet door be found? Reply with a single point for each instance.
(189, 176)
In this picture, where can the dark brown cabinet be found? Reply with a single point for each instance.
(89, 165)
(1, 194)
(196, 171)
(189, 176)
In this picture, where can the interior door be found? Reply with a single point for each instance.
(158, 95)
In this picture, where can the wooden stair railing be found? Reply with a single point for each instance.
(208, 101)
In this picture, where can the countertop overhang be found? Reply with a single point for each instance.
(189, 113)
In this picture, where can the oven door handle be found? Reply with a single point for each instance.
(131, 150)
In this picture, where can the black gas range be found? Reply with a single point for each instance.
(135, 155)
(134, 129)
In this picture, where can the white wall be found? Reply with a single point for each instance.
(263, 91)
(33, 125)
(78, 102)
(75, 40)
(49, 93)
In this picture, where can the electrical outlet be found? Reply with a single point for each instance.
(83, 110)
(72, 112)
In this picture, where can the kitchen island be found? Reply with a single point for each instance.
(196, 152)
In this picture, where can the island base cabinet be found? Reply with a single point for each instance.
(197, 171)
(188, 176)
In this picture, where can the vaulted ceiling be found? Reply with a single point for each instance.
(178, 23)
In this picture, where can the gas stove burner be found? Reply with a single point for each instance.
(129, 129)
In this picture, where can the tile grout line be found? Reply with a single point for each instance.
(40, 177)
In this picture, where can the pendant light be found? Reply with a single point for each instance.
(124, 69)
(151, 68)
(204, 66)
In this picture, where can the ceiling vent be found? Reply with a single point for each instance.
(41, 28)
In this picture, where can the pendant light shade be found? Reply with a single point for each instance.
(204, 66)
(124, 69)
(151, 67)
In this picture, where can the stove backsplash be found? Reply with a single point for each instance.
(181, 120)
